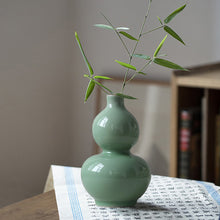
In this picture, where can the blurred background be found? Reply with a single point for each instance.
(43, 119)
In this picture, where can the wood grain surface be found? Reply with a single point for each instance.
(42, 207)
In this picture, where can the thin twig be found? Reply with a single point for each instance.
(135, 74)
(135, 47)
(117, 34)
(153, 30)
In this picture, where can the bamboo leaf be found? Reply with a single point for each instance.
(122, 28)
(168, 64)
(129, 66)
(104, 26)
(142, 73)
(173, 34)
(159, 20)
(125, 96)
(173, 14)
(83, 54)
(101, 77)
(159, 46)
(104, 87)
(89, 90)
(128, 35)
(142, 56)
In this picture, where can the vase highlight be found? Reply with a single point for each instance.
(115, 177)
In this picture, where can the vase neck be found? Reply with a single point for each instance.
(115, 101)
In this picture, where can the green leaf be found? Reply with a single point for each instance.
(83, 54)
(173, 34)
(122, 28)
(104, 26)
(128, 35)
(101, 77)
(104, 87)
(89, 90)
(159, 46)
(86, 75)
(168, 64)
(173, 14)
(125, 96)
(129, 66)
(159, 20)
(142, 56)
(142, 73)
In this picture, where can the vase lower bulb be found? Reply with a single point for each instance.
(115, 181)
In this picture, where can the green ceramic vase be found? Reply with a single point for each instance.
(115, 177)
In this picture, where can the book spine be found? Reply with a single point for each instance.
(204, 136)
(184, 143)
(190, 144)
(195, 156)
(217, 151)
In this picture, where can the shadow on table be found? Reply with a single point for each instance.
(142, 210)
(145, 206)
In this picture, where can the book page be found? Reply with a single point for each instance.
(165, 198)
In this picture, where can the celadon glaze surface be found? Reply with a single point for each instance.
(115, 177)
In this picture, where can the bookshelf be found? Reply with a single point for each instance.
(198, 87)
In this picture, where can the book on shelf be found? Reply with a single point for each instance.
(217, 150)
(189, 166)
(204, 131)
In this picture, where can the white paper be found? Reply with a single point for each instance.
(165, 198)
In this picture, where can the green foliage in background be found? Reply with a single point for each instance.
(130, 69)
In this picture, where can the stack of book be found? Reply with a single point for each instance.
(190, 144)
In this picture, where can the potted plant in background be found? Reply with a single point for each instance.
(115, 177)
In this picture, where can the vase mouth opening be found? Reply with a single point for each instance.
(116, 96)
(115, 100)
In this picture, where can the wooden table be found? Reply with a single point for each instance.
(41, 207)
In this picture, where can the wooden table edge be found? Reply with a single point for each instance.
(42, 206)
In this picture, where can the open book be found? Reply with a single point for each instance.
(165, 198)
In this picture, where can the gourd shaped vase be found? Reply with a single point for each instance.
(115, 177)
